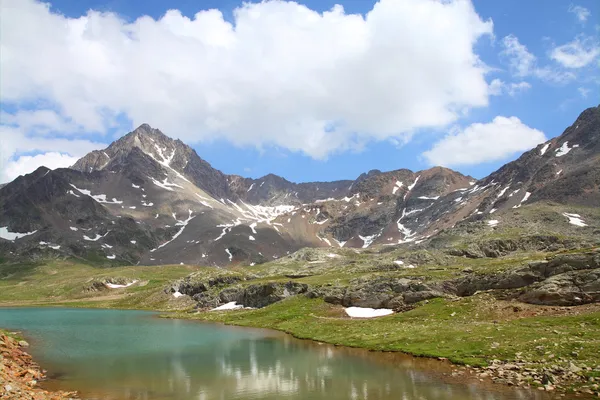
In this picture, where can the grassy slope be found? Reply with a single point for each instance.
(60, 282)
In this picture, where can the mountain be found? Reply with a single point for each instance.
(150, 199)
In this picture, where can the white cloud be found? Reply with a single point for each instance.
(523, 64)
(498, 87)
(479, 142)
(580, 12)
(281, 75)
(26, 164)
(576, 54)
(14, 143)
(521, 61)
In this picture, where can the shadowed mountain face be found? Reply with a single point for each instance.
(150, 199)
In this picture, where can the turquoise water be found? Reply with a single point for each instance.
(127, 355)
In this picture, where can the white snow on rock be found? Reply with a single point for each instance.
(493, 222)
(165, 184)
(100, 198)
(493, 210)
(428, 198)
(86, 237)
(111, 257)
(368, 240)
(543, 149)
(253, 227)
(525, 198)
(183, 224)
(73, 193)
(363, 312)
(399, 262)
(177, 295)
(324, 200)
(340, 243)
(251, 237)
(228, 306)
(564, 149)
(166, 160)
(203, 201)
(559, 172)
(410, 187)
(250, 188)
(115, 286)
(321, 222)
(502, 192)
(54, 247)
(132, 242)
(229, 254)
(6, 234)
(73, 228)
(575, 219)
(397, 186)
(132, 207)
(133, 185)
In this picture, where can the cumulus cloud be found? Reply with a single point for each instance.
(484, 142)
(26, 164)
(280, 75)
(576, 54)
(580, 12)
(16, 147)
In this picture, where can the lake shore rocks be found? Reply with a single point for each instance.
(19, 374)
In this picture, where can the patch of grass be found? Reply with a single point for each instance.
(467, 331)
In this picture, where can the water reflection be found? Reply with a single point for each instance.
(119, 355)
(265, 368)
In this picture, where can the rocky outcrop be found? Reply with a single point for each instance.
(565, 279)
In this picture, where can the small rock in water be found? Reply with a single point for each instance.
(23, 343)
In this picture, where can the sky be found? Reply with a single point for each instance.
(317, 90)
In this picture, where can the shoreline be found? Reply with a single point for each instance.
(20, 374)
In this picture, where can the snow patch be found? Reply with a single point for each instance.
(132, 241)
(229, 254)
(111, 257)
(115, 286)
(6, 234)
(543, 149)
(165, 184)
(340, 243)
(73, 228)
(493, 222)
(410, 187)
(428, 198)
(363, 312)
(565, 149)
(178, 295)
(397, 186)
(251, 238)
(575, 219)
(100, 198)
(228, 306)
(525, 198)
(368, 240)
(183, 224)
(250, 188)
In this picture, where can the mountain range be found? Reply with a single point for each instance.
(148, 199)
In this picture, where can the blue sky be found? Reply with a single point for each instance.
(543, 57)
